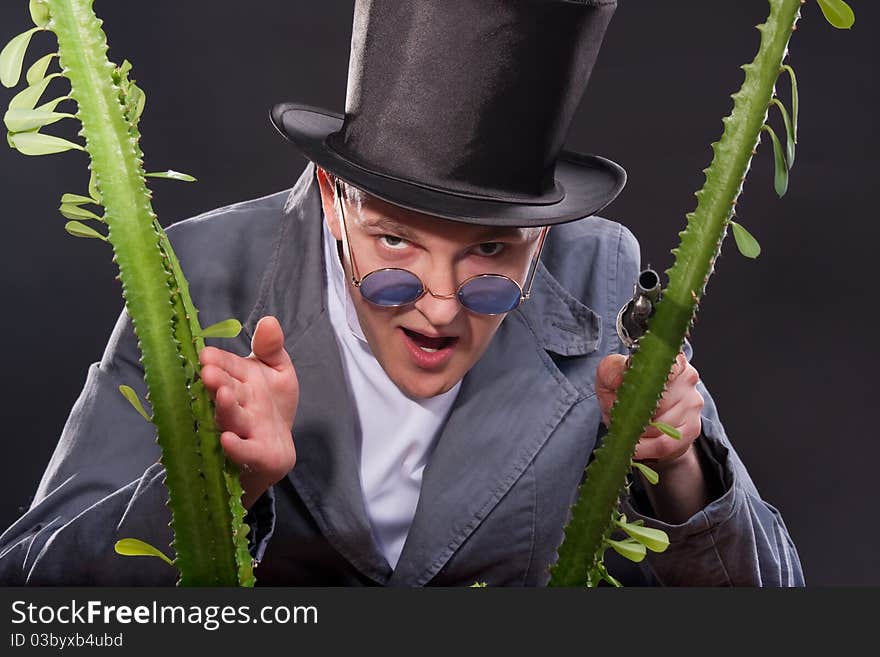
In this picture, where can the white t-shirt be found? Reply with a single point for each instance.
(397, 433)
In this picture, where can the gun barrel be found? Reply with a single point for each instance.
(648, 285)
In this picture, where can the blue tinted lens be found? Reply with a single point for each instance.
(391, 287)
(490, 294)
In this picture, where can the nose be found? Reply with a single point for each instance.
(440, 304)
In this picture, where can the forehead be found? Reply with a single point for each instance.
(374, 214)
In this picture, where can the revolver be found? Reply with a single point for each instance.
(632, 319)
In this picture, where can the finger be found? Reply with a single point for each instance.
(677, 367)
(680, 416)
(681, 387)
(230, 415)
(660, 450)
(214, 378)
(675, 417)
(609, 373)
(268, 344)
(241, 451)
(665, 447)
(232, 364)
(685, 404)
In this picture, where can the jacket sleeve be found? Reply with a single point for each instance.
(738, 539)
(103, 483)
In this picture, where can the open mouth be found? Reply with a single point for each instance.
(429, 344)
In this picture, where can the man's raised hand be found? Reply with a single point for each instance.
(256, 400)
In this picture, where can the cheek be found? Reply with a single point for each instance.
(482, 329)
(379, 324)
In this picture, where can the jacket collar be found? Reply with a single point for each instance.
(457, 491)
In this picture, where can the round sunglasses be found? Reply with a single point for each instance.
(391, 287)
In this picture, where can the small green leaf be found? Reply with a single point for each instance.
(23, 120)
(76, 199)
(124, 68)
(135, 101)
(36, 143)
(12, 57)
(78, 229)
(789, 133)
(133, 399)
(29, 97)
(794, 99)
(631, 549)
(747, 244)
(139, 108)
(38, 69)
(172, 175)
(838, 13)
(93, 187)
(76, 212)
(780, 181)
(39, 13)
(51, 105)
(133, 547)
(228, 328)
(649, 474)
(655, 540)
(478, 585)
(668, 429)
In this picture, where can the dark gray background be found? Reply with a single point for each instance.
(785, 343)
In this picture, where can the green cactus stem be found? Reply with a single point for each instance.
(204, 491)
(594, 514)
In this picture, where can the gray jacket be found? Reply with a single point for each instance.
(497, 489)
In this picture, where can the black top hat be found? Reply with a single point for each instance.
(459, 108)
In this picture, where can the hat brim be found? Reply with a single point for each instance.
(590, 182)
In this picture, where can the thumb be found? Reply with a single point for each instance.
(268, 343)
(609, 374)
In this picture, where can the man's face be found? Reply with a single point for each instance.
(426, 347)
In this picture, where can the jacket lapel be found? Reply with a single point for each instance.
(327, 471)
(509, 404)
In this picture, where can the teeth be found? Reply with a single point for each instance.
(428, 349)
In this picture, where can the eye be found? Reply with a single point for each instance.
(393, 242)
(488, 249)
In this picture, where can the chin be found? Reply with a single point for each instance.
(425, 386)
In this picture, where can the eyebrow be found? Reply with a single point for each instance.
(501, 232)
(486, 232)
(385, 223)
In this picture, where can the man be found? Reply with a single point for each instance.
(429, 346)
